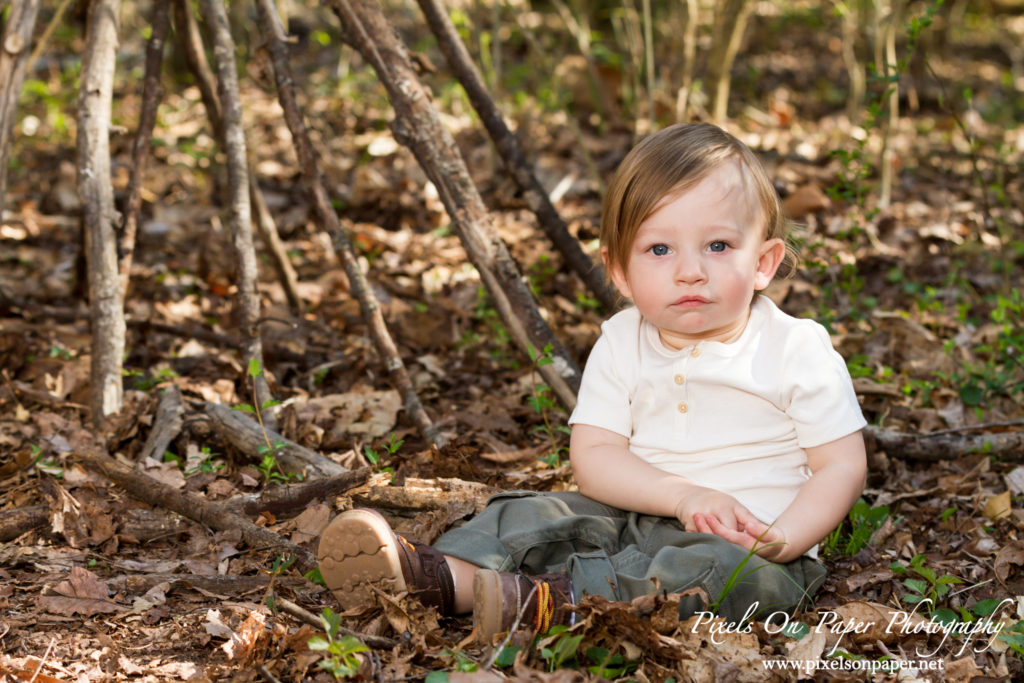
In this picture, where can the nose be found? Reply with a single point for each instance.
(690, 268)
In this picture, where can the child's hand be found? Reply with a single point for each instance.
(708, 503)
(769, 541)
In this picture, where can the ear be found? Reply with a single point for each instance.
(772, 253)
(617, 274)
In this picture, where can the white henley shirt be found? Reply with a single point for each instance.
(732, 417)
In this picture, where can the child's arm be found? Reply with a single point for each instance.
(607, 471)
(838, 471)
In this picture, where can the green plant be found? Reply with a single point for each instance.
(281, 564)
(543, 403)
(51, 467)
(607, 665)
(740, 572)
(560, 647)
(386, 449)
(269, 467)
(342, 653)
(851, 535)
(927, 590)
(206, 463)
(1000, 371)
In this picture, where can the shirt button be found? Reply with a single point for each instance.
(682, 407)
(695, 352)
(679, 379)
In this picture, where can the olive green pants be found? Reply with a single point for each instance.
(622, 555)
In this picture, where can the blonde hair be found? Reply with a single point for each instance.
(666, 164)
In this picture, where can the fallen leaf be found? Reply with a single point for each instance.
(1012, 554)
(310, 523)
(215, 627)
(998, 507)
(242, 644)
(81, 593)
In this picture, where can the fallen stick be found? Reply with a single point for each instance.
(191, 505)
(944, 445)
(211, 583)
(14, 523)
(247, 436)
(166, 425)
(289, 497)
(289, 607)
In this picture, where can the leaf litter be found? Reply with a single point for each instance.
(110, 588)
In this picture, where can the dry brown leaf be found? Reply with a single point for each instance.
(962, 670)
(82, 593)
(866, 622)
(310, 523)
(1012, 554)
(241, 646)
(998, 507)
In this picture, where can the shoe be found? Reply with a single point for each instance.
(358, 549)
(501, 598)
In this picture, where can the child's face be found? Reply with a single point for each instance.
(698, 259)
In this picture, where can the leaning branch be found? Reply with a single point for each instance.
(418, 126)
(512, 154)
(273, 34)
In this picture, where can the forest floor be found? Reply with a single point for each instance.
(923, 299)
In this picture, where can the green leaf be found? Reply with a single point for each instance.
(318, 643)
(255, 370)
(507, 657)
(985, 608)
(796, 630)
(436, 677)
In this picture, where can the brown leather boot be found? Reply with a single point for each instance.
(358, 548)
(499, 598)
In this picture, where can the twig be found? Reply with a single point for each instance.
(512, 155)
(368, 304)
(190, 505)
(151, 94)
(191, 43)
(289, 607)
(42, 662)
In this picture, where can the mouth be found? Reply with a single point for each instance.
(690, 301)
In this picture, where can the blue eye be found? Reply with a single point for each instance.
(718, 246)
(659, 250)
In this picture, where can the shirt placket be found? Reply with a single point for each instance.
(680, 388)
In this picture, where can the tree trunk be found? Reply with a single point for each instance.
(273, 34)
(240, 208)
(689, 60)
(151, 94)
(97, 195)
(418, 126)
(14, 51)
(512, 154)
(730, 23)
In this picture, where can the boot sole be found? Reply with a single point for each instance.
(358, 550)
(487, 605)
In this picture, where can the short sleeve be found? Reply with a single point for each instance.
(604, 398)
(818, 389)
